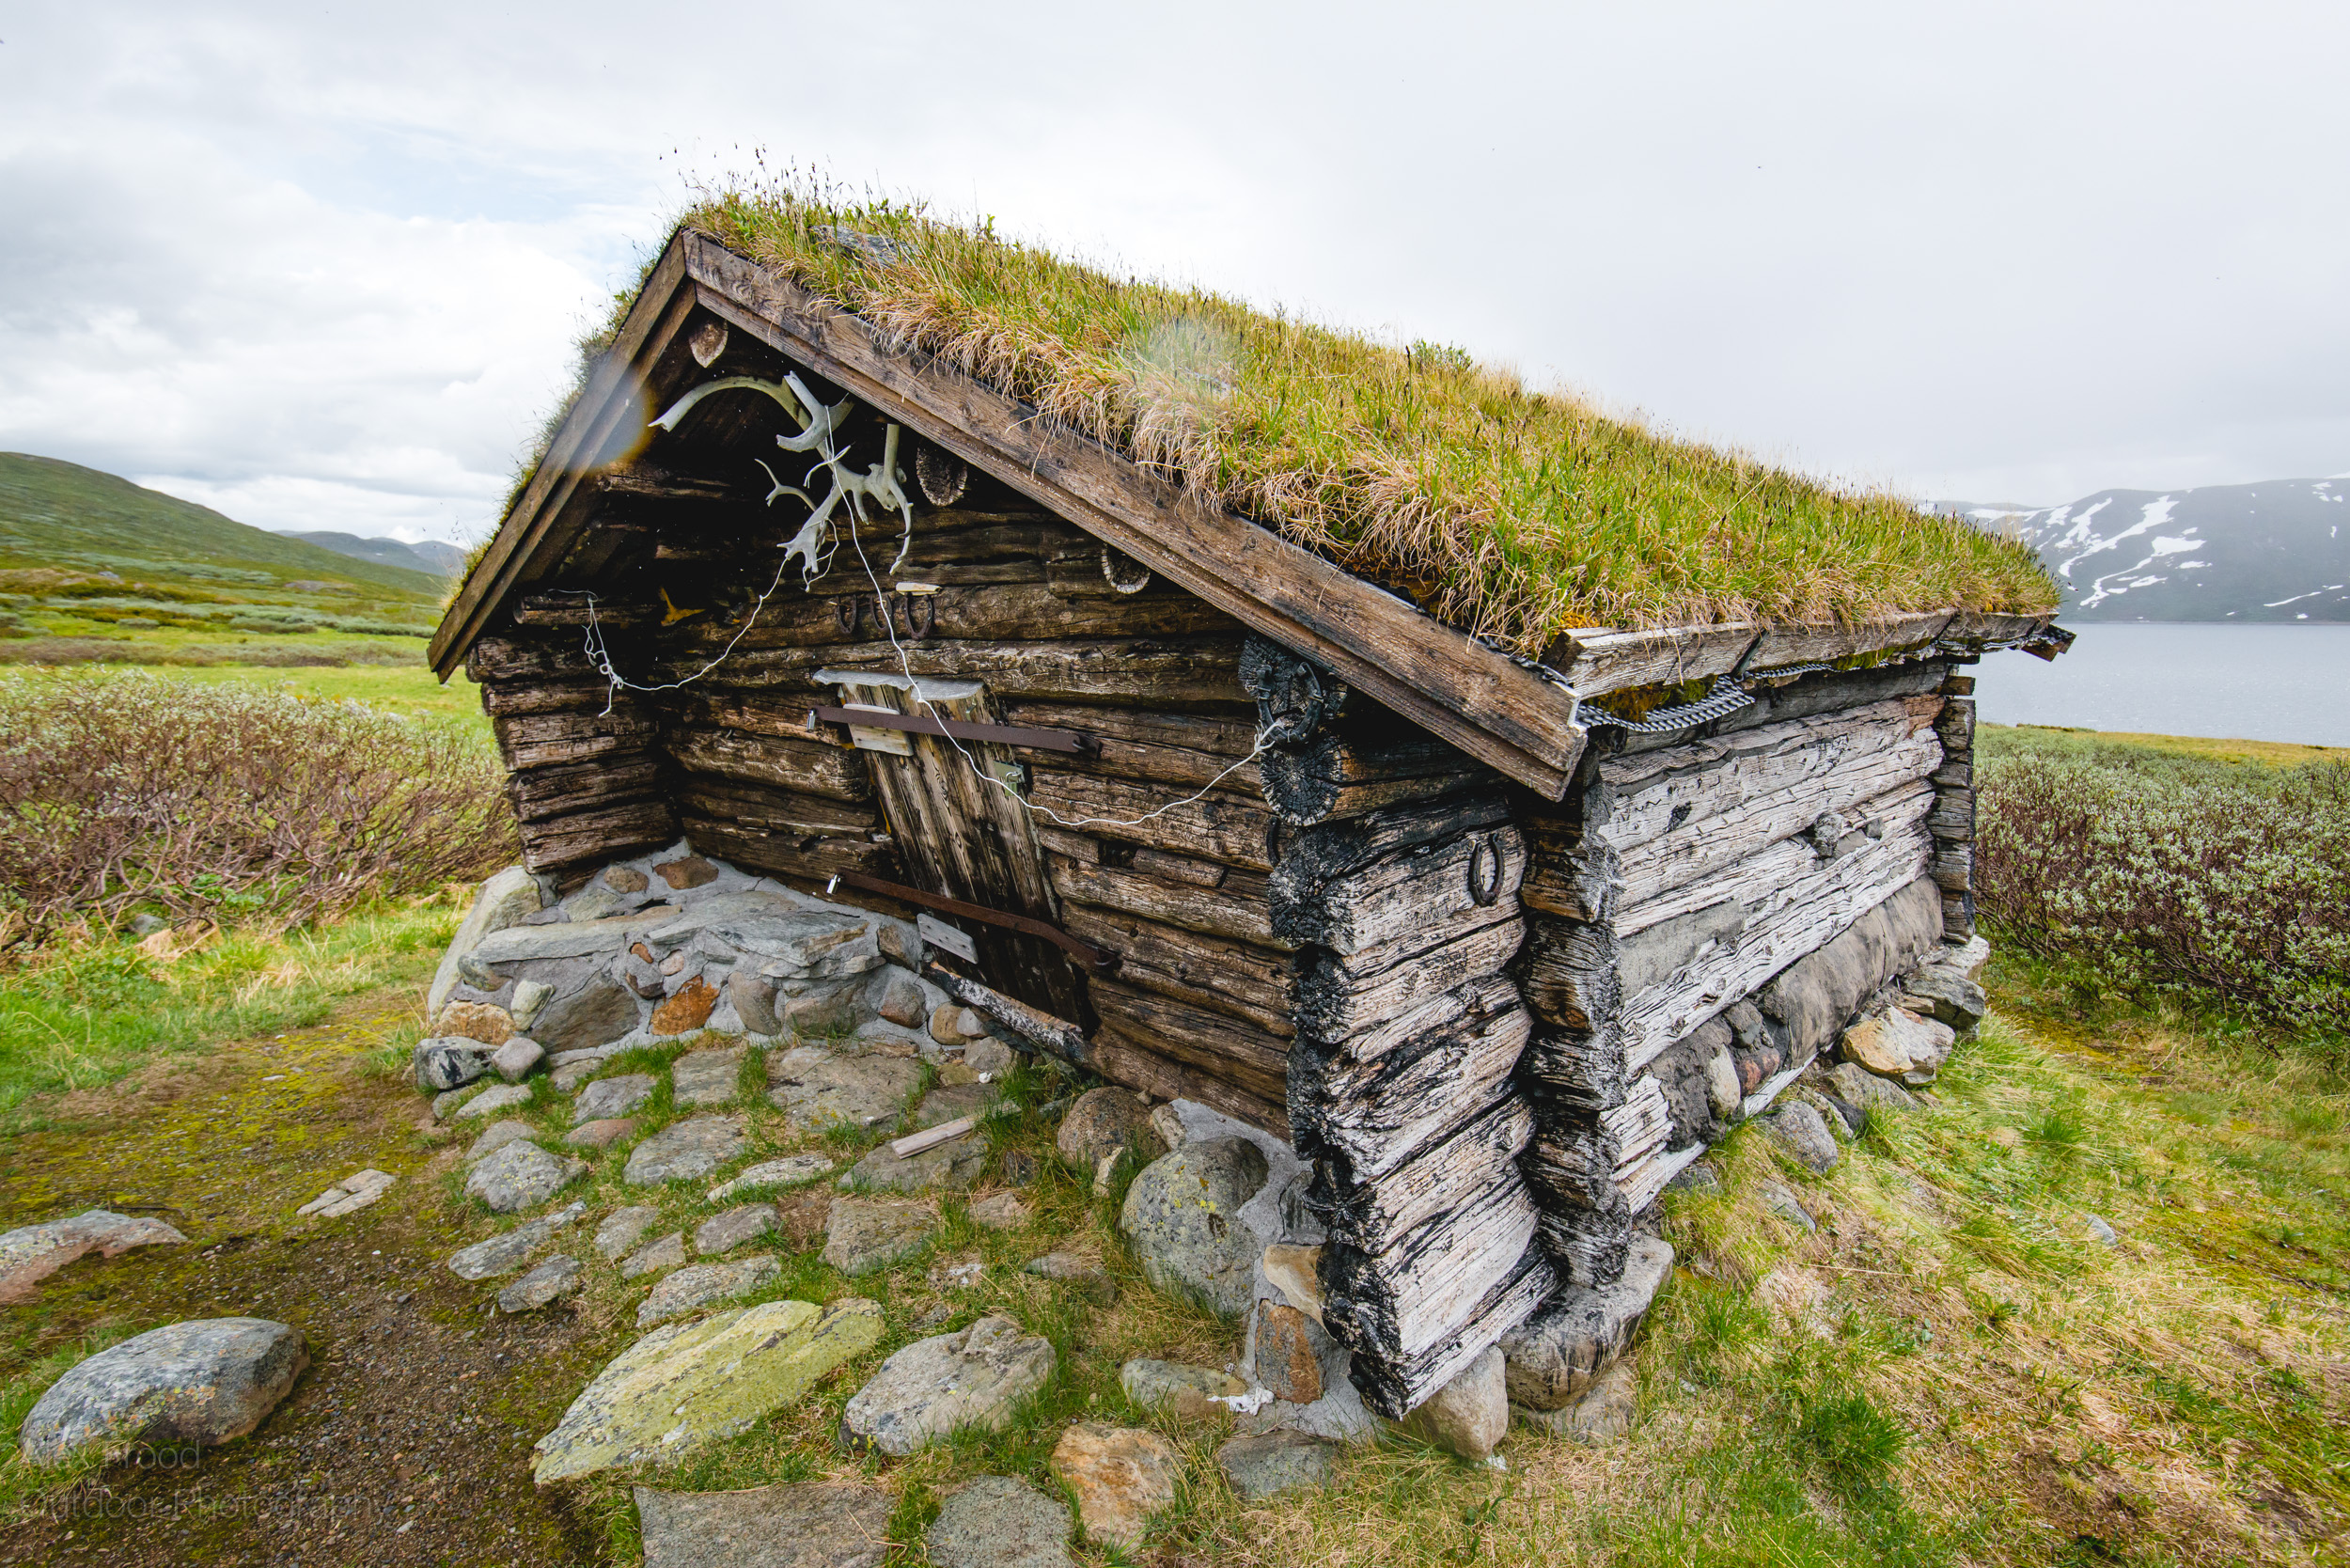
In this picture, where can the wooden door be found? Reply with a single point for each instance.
(966, 837)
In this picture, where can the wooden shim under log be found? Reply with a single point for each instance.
(603, 835)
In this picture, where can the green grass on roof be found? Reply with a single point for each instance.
(1510, 514)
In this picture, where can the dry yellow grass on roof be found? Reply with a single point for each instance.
(1511, 514)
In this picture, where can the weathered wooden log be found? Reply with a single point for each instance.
(1957, 724)
(781, 810)
(1246, 983)
(1954, 867)
(1417, 1293)
(538, 793)
(1568, 969)
(1385, 899)
(1395, 1386)
(1343, 994)
(1236, 910)
(1216, 827)
(1792, 910)
(1295, 697)
(1567, 872)
(1370, 1104)
(1024, 612)
(1169, 670)
(1824, 692)
(545, 740)
(1575, 1070)
(1373, 1215)
(1958, 915)
(1055, 1036)
(1191, 751)
(607, 834)
(526, 656)
(1953, 815)
(802, 856)
(1316, 857)
(590, 694)
(1131, 1061)
(1955, 773)
(1251, 1058)
(1334, 776)
(1589, 1248)
(805, 767)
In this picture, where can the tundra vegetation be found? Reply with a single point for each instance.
(2087, 1308)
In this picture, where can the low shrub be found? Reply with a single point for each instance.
(2178, 873)
(122, 791)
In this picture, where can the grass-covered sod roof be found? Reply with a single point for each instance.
(1510, 514)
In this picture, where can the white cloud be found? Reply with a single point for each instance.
(322, 269)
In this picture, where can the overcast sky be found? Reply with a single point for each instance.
(320, 267)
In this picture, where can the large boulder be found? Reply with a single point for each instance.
(203, 1382)
(1102, 1122)
(939, 1386)
(837, 1524)
(686, 1384)
(1555, 1356)
(505, 900)
(1182, 1214)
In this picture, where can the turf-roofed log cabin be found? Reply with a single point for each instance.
(1444, 777)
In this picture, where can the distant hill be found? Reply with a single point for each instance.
(61, 515)
(2276, 551)
(429, 557)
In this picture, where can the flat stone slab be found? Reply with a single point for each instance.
(954, 1166)
(939, 1386)
(600, 1134)
(1120, 1476)
(564, 938)
(1187, 1390)
(497, 1136)
(557, 1278)
(506, 1251)
(609, 1098)
(1002, 1210)
(702, 1284)
(521, 1176)
(863, 1234)
(1278, 1461)
(622, 1229)
(685, 1151)
(359, 1189)
(816, 1088)
(32, 1253)
(203, 1382)
(492, 1101)
(999, 1521)
(790, 1171)
(954, 1100)
(723, 1233)
(686, 1384)
(661, 1252)
(705, 1077)
(816, 1525)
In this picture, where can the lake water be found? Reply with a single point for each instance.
(2236, 682)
